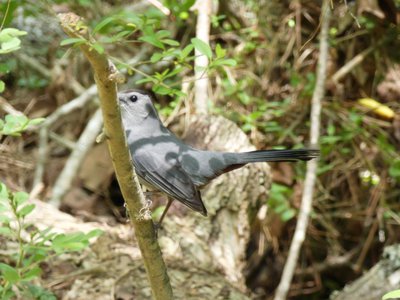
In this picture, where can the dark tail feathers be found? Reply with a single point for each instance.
(278, 155)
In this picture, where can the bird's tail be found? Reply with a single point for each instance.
(277, 155)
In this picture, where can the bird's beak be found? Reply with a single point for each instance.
(122, 100)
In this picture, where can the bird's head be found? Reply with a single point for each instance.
(136, 105)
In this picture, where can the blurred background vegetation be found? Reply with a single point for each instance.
(262, 77)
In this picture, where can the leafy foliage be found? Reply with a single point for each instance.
(392, 295)
(24, 265)
(14, 125)
(166, 49)
(278, 201)
(9, 42)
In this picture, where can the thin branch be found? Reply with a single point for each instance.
(350, 65)
(105, 74)
(165, 10)
(8, 108)
(306, 201)
(201, 61)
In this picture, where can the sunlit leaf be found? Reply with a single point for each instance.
(31, 274)
(36, 121)
(20, 197)
(2, 86)
(219, 51)
(152, 40)
(391, 295)
(170, 42)
(70, 41)
(186, 51)
(99, 48)
(103, 23)
(10, 274)
(202, 47)
(26, 210)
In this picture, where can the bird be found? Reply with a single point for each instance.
(165, 163)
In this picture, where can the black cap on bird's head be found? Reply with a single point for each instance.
(137, 104)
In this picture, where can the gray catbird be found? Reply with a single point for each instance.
(165, 163)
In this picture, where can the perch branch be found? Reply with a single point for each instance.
(104, 74)
(306, 201)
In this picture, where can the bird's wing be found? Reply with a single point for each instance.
(170, 178)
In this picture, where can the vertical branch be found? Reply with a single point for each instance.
(201, 61)
(306, 201)
(106, 78)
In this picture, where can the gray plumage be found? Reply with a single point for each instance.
(169, 165)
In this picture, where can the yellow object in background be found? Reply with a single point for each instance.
(377, 107)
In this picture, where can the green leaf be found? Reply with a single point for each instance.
(281, 208)
(5, 231)
(186, 51)
(219, 51)
(31, 274)
(224, 62)
(76, 41)
(170, 42)
(20, 197)
(10, 274)
(94, 233)
(11, 32)
(39, 293)
(11, 45)
(103, 23)
(2, 86)
(394, 170)
(175, 71)
(4, 195)
(202, 47)
(99, 48)
(36, 121)
(288, 214)
(146, 79)
(26, 210)
(151, 39)
(156, 57)
(391, 295)
(162, 90)
(163, 34)
(16, 122)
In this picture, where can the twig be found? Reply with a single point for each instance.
(38, 67)
(74, 161)
(126, 176)
(160, 6)
(306, 201)
(8, 108)
(62, 141)
(201, 61)
(350, 65)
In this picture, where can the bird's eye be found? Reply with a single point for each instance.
(133, 98)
